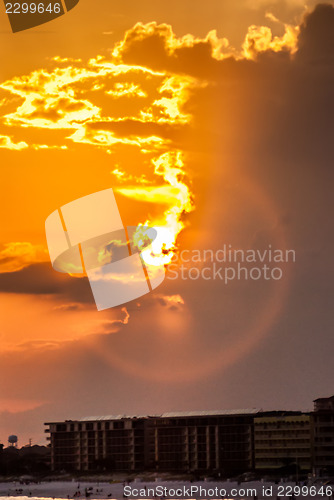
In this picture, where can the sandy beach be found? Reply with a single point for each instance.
(162, 489)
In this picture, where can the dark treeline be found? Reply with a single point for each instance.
(29, 460)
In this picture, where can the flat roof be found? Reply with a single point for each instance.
(201, 413)
(209, 413)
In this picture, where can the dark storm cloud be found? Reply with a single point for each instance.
(315, 44)
(316, 38)
(41, 279)
(151, 49)
(270, 123)
(281, 103)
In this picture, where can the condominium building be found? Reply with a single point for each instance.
(221, 442)
(326, 404)
(179, 442)
(204, 441)
(283, 441)
(112, 442)
(323, 443)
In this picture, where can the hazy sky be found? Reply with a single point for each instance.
(214, 118)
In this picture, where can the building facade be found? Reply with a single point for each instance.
(323, 443)
(283, 441)
(226, 443)
(115, 443)
(176, 442)
(210, 441)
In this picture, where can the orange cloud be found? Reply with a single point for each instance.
(7, 143)
(16, 405)
(17, 255)
(135, 99)
(126, 90)
(50, 322)
(260, 39)
(142, 32)
(171, 301)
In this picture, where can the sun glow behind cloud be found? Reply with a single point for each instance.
(260, 39)
(75, 99)
(107, 104)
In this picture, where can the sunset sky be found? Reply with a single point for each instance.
(213, 119)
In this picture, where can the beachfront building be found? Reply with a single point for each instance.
(219, 441)
(224, 443)
(283, 442)
(326, 404)
(111, 442)
(323, 425)
(216, 441)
